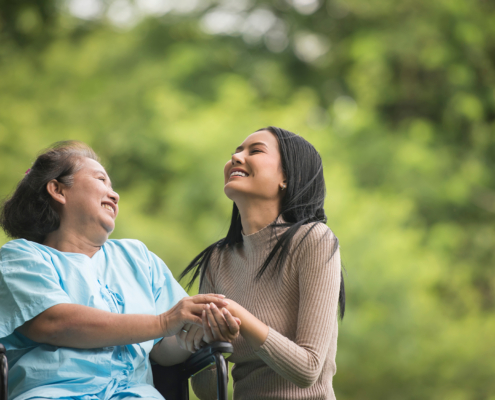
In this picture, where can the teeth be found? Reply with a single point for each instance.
(238, 173)
(107, 207)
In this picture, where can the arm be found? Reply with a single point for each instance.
(73, 325)
(252, 329)
(167, 352)
(35, 303)
(301, 362)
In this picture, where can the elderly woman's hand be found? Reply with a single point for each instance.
(188, 311)
(219, 324)
(190, 337)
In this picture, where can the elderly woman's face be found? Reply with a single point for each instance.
(255, 169)
(91, 201)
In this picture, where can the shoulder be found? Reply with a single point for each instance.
(315, 235)
(135, 252)
(19, 244)
(131, 247)
(125, 243)
(315, 242)
(131, 252)
(21, 255)
(20, 247)
(136, 256)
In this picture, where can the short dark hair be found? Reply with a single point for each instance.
(29, 213)
(302, 205)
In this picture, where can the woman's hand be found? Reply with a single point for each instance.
(219, 325)
(188, 311)
(190, 337)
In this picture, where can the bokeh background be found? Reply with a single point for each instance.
(397, 95)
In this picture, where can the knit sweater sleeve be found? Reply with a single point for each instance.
(204, 384)
(318, 266)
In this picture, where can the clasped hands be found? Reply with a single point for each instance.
(206, 318)
(218, 324)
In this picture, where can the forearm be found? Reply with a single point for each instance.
(73, 325)
(167, 352)
(299, 364)
(253, 330)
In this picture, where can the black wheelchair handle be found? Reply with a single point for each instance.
(206, 357)
(213, 353)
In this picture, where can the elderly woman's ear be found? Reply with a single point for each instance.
(56, 190)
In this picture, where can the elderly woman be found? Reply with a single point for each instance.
(80, 315)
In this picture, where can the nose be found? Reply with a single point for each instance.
(236, 158)
(114, 196)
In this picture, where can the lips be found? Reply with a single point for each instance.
(109, 207)
(238, 172)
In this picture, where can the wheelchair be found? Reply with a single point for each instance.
(172, 382)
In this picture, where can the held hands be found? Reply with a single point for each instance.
(218, 325)
(253, 330)
(190, 337)
(188, 311)
(221, 325)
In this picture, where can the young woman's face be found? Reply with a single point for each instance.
(255, 170)
(91, 201)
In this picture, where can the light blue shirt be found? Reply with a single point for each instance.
(122, 277)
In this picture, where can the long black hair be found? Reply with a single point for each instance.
(302, 204)
(29, 212)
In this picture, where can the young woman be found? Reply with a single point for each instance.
(80, 314)
(279, 265)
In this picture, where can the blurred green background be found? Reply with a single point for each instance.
(398, 97)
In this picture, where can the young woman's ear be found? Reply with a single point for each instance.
(283, 185)
(56, 190)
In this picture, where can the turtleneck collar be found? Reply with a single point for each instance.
(264, 237)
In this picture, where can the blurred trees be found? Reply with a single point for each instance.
(399, 98)
(25, 22)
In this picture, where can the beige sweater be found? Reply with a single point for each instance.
(299, 304)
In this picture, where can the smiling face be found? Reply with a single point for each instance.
(255, 170)
(91, 205)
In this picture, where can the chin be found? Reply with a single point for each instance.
(230, 192)
(108, 228)
(236, 195)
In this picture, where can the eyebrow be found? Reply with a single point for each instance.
(100, 171)
(240, 148)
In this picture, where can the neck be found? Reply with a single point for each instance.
(69, 241)
(256, 214)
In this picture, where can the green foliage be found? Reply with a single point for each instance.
(401, 108)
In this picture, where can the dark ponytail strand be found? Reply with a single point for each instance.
(234, 235)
